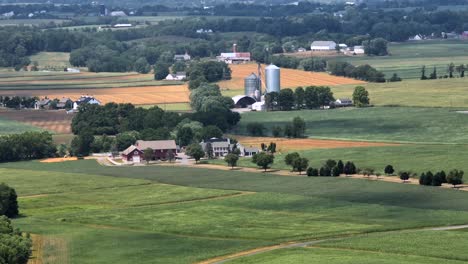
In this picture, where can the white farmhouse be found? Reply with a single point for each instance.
(323, 46)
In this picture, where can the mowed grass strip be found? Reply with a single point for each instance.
(387, 124)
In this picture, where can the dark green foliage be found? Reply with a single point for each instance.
(82, 144)
(161, 133)
(389, 170)
(288, 131)
(437, 179)
(298, 127)
(311, 172)
(8, 201)
(299, 94)
(231, 159)
(255, 129)
(161, 70)
(455, 177)
(211, 71)
(15, 247)
(313, 64)
(360, 97)
(271, 101)
(263, 160)
(395, 78)
(427, 179)
(340, 166)
(126, 139)
(362, 72)
(211, 132)
(377, 47)
(103, 143)
(404, 175)
(349, 168)
(335, 172)
(300, 164)
(325, 171)
(277, 131)
(142, 66)
(184, 136)
(26, 146)
(195, 151)
(290, 158)
(148, 155)
(286, 99)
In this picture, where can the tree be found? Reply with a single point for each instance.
(335, 172)
(142, 66)
(290, 158)
(263, 160)
(211, 131)
(433, 75)
(255, 128)
(299, 94)
(437, 180)
(170, 155)
(81, 144)
(340, 166)
(161, 70)
(8, 201)
(286, 99)
(300, 164)
(311, 172)
(195, 151)
(451, 69)
(184, 136)
(288, 131)
(395, 78)
(231, 159)
(455, 177)
(276, 131)
(349, 168)
(389, 170)
(404, 175)
(423, 73)
(298, 127)
(148, 155)
(377, 47)
(16, 247)
(126, 139)
(461, 70)
(360, 97)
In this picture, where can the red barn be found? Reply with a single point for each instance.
(160, 148)
(132, 154)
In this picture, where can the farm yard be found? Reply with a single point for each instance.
(289, 78)
(131, 210)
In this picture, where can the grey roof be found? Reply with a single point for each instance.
(252, 76)
(272, 66)
(251, 149)
(64, 100)
(323, 43)
(156, 144)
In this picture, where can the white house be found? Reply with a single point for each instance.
(85, 100)
(182, 57)
(342, 46)
(259, 106)
(179, 76)
(220, 147)
(416, 38)
(301, 50)
(323, 46)
(359, 50)
(123, 25)
(73, 70)
(247, 151)
(343, 102)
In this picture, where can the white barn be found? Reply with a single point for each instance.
(323, 46)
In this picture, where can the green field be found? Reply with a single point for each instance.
(52, 60)
(14, 127)
(406, 59)
(429, 93)
(88, 213)
(392, 124)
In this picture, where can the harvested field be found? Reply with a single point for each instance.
(55, 121)
(286, 144)
(56, 160)
(290, 78)
(135, 95)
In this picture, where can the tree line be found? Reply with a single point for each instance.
(449, 73)
(26, 146)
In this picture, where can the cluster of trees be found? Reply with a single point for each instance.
(333, 168)
(15, 246)
(451, 69)
(207, 72)
(17, 102)
(312, 97)
(376, 47)
(361, 97)
(26, 146)
(363, 72)
(455, 177)
(295, 129)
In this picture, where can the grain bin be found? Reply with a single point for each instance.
(251, 85)
(272, 76)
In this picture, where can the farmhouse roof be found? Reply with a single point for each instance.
(43, 101)
(323, 43)
(156, 144)
(130, 150)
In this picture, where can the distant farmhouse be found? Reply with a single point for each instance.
(161, 149)
(234, 57)
(118, 14)
(343, 102)
(182, 57)
(85, 100)
(220, 147)
(323, 46)
(42, 104)
(179, 76)
(122, 25)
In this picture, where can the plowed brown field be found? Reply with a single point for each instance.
(56, 121)
(286, 144)
(136, 95)
(289, 78)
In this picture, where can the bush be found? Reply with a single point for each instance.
(8, 201)
(16, 248)
(389, 170)
(255, 129)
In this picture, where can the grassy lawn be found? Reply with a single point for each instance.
(395, 124)
(407, 58)
(181, 215)
(430, 93)
(172, 107)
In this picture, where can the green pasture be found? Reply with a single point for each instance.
(29, 22)
(13, 127)
(429, 93)
(422, 158)
(178, 107)
(90, 213)
(392, 124)
(52, 59)
(406, 59)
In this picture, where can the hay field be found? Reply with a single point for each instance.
(290, 78)
(287, 144)
(138, 89)
(54, 121)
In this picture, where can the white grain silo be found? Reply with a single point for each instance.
(272, 77)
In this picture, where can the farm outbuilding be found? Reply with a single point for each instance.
(323, 46)
(161, 149)
(243, 101)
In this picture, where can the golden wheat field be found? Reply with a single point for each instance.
(290, 78)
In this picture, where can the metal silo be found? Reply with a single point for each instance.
(272, 77)
(252, 86)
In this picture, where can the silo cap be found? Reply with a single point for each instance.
(272, 66)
